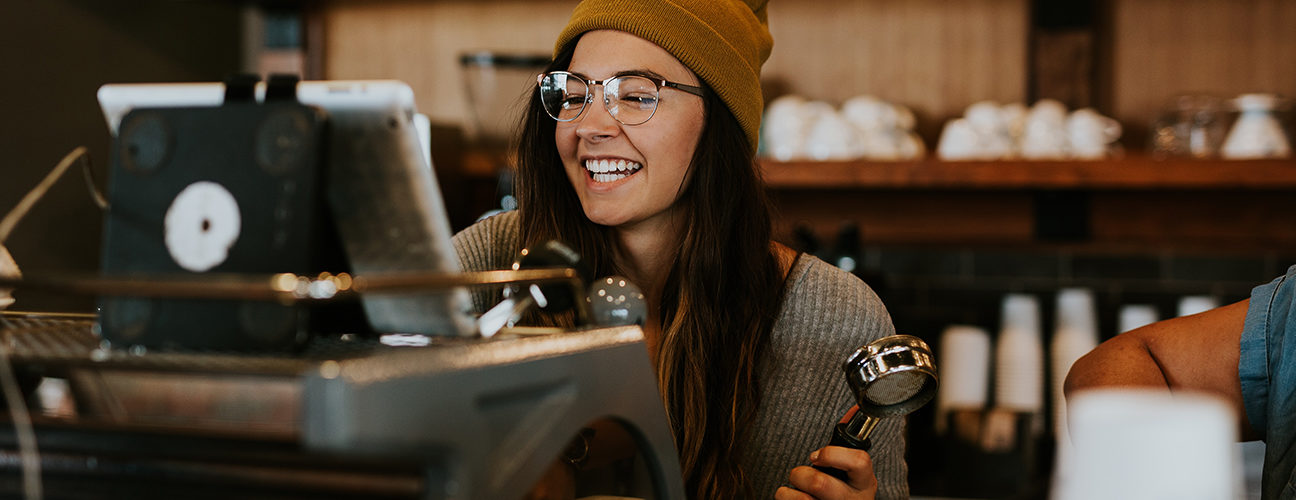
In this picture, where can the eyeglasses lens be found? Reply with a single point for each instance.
(563, 96)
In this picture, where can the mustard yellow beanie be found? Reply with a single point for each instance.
(724, 42)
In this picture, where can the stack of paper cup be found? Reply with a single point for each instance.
(1135, 315)
(1019, 356)
(965, 371)
(1145, 443)
(1193, 304)
(1075, 333)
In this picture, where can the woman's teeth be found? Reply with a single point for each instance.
(611, 170)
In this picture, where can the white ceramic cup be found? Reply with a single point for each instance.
(1044, 135)
(1013, 116)
(868, 113)
(958, 141)
(785, 128)
(831, 137)
(985, 117)
(1090, 133)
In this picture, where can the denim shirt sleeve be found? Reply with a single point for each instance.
(1267, 323)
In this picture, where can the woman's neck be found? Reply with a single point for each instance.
(646, 251)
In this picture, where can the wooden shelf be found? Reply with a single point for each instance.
(1130, 173)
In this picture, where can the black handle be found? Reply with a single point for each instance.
(844, 439)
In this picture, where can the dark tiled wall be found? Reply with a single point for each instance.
(927, 289)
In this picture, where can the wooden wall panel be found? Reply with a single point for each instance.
(420, 42)
(1163, 48)
(935, 56)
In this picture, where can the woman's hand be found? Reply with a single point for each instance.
(810, 483)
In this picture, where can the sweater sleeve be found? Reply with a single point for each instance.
(826, 315)
(490, 244)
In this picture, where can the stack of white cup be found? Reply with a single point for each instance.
(1075, 334)
(965, 371)
(1019, 356)
(1144, 443)
(1193, 304)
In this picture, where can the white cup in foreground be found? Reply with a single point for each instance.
(1149, 444)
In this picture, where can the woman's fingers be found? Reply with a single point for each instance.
(849, 413)
(819, 485)
(786, 493)
(809, 483)
(857, 464)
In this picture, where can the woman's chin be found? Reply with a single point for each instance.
(605, 218)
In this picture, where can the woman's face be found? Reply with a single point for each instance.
(649, 162)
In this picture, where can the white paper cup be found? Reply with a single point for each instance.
(965, 371)
(1074, 335)
(1132, 316)
(1193, 304)
(1019, 356)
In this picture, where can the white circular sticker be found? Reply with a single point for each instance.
(201, 225)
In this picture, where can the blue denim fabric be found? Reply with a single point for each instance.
(1267, 370)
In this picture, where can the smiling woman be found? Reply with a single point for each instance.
(637, 149)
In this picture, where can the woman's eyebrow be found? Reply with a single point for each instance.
(646, 73)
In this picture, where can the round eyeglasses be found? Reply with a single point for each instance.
(630, 99)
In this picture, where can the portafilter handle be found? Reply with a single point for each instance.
(890, 377)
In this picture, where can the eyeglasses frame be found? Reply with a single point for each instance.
(660, 83)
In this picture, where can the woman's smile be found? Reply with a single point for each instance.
(608, 171)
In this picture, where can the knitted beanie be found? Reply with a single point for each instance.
(724, 42)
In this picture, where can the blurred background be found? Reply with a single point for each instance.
(1165, 210)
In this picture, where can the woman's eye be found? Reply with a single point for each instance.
(643, 101)
(573, 101)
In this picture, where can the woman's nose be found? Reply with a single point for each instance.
(597, 124)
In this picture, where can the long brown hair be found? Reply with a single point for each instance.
(721, 296)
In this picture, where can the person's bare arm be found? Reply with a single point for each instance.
(1198, 352)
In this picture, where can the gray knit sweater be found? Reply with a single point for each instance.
(827, 313)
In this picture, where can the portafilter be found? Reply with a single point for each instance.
(890, 377)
